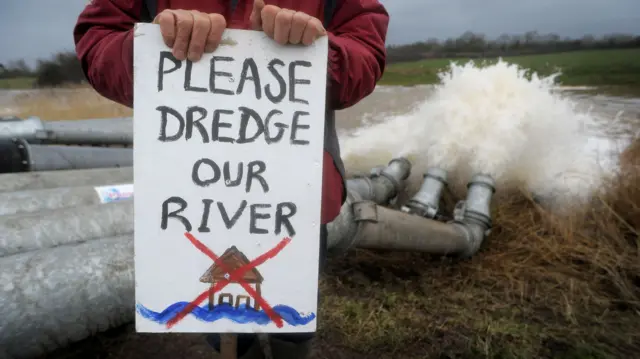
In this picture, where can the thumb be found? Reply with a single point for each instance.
(256, 15)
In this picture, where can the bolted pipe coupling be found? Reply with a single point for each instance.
(383, 183)
(479, 194)
(426, 202)
(474, 213)
(396, 171)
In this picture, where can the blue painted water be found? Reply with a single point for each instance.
(241, 314)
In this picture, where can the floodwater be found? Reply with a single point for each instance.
(556, 141)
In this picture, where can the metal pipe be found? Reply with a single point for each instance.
(380, 187)
(47, 229)
(383, 184)
(426, 202)
(50, 298)
(110, 131)
(56, 198)
(365, 224)
(24, 181)
(18, 155)
(384, 228)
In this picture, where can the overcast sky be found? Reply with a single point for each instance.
(33, 29)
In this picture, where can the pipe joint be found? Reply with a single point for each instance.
(14, 156)
(17, 128)
(474, 213)
(342, 231)
(426, 203)
(396, 172)
(383, 183)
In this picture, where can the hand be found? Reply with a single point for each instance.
(284, 25)
(190, 33)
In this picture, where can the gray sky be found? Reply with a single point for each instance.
(33, 29)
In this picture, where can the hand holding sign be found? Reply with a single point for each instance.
(190, 33)
(284, 25)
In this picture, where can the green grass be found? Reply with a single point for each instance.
(579, 68)
(18, 83)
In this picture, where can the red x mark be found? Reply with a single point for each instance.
(236, 276)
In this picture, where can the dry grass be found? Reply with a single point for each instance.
(71, 103)
(544, 286)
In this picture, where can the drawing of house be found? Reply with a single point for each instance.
(232, 259)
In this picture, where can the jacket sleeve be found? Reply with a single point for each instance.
(104, 44)
(357, 54)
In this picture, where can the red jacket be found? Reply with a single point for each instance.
(357, 32)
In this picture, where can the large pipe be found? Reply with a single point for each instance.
(111, 131)
(65, 197)
(364, 223)
(380, 187)
(383, 184)
(51, 298)
(19, 156)
(24, 181)
(48, 229)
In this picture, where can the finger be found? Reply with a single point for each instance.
(218, 24)
(184, 25)
(313, 30)
(283, 23)
(268, 15)
(199, 34)
(167, 22)
(298, 25)
(256, 15)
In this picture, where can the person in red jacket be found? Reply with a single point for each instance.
(356, 30)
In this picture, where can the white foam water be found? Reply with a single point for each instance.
(498, 120)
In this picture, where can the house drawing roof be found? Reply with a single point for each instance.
(232, 259)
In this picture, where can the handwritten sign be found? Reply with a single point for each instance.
(228, 177)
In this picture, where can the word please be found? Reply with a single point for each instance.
(249, 72)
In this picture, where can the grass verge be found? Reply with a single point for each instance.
(67, 103)
(18, 83)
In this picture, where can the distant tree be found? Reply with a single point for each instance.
(63, 68)
(471, 44)
(13, 69)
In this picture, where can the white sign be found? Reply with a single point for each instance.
(228, 177)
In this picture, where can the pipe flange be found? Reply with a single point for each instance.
(438, 174)
(12, 157)
(484, 181)
(402, 174)
(25, 152)
(462, 214)
(420, 209)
